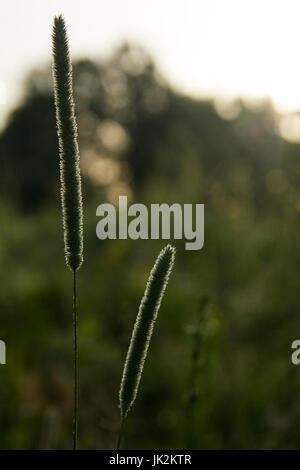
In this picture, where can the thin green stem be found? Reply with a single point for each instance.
(75, 344)
(121, 432)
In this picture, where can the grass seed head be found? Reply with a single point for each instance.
(68, 147)
(143, 328)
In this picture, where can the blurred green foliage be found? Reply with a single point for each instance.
(218, 375)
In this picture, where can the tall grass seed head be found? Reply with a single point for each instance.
(143, 328)
(71, 198)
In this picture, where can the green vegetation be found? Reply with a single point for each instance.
(70, 179)
(138, 137)
(142, 332)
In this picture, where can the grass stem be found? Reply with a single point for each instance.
(75, 344)
(121, 432)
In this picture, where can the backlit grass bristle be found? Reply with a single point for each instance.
(143, 328)
(70, 179)
(68, 147)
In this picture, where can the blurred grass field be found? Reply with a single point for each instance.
(140, 138)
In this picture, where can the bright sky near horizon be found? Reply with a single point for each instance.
(248, 48)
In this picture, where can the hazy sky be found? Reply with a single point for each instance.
(212, 47)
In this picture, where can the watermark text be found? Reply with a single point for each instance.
(160, 222)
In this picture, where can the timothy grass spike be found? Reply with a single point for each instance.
(69, 153)
(69, 177)
(143, 329)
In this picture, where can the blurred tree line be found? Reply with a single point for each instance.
(134, 128)
(218, 376)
